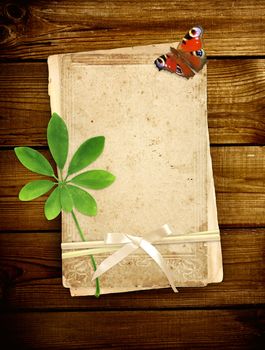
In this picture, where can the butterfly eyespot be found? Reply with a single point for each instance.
(195, 32)
(160, 62)
(198, 53)
(179, 70)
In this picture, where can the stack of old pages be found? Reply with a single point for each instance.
(157, 145)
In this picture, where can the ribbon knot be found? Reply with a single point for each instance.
(135, 240)
(131, 244)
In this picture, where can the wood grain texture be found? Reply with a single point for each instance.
(24, 104)
(222, 316)
(35, 29)
(240, 185)
(239, 181)
(30, 274)
(194, 329)
(236, 103)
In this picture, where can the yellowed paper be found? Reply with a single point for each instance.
(157, 145)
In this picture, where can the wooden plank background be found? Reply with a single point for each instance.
(36, 311)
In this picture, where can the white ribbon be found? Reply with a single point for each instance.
(127, 244)
(131, 244)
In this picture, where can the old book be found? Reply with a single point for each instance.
(157, 145)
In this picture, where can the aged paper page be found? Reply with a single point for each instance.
(157, 145)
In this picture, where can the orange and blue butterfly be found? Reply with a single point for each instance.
(188, 58)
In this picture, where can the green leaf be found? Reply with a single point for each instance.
(94, 179)
(35, 189)
(57, 136)
(86, 154)
(83, 201)
(34, 161)
(66, 199)
(52, 206)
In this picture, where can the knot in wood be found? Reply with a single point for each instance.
(14, 11)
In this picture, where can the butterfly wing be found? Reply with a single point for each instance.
(190, 48)
(195, 59)
(174, 63)
(192, 40)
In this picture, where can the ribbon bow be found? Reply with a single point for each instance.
(131, 244)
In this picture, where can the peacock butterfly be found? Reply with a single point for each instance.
(188, 58)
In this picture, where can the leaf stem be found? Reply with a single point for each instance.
(78, 226)
(97, 294)
(60, 175)
(56, 178)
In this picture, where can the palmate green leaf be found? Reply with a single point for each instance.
(66, 199)
(83, 201)
(94, 179)
(34, 161)
(52, 206)
(35, 189)
(86, 154)
(57, 136)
